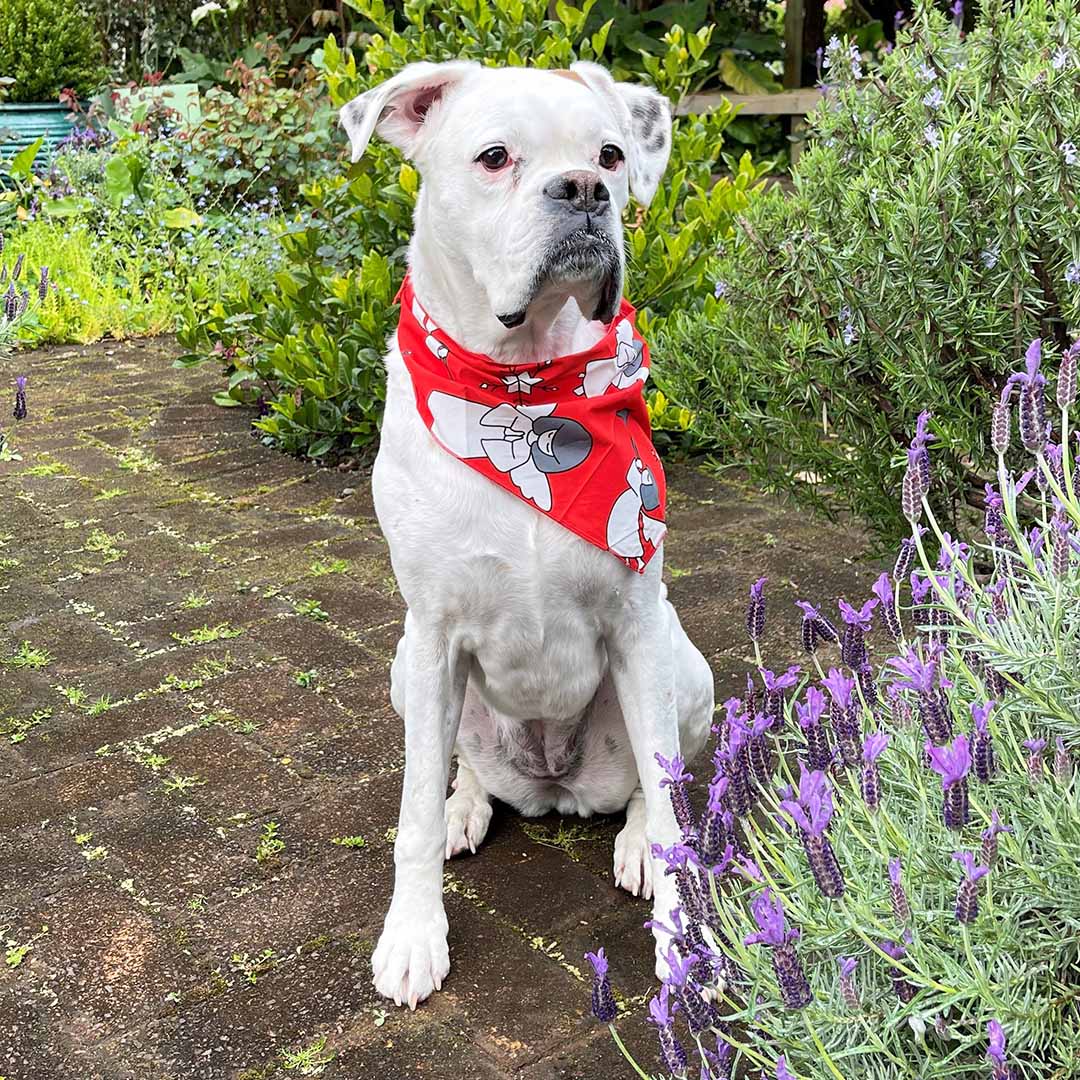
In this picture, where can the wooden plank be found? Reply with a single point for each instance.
(794, 14)
(785, 103)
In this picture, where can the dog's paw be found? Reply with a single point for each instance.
(633, 862)
(468, 815)
(411, 960)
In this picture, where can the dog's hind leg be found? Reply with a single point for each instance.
(468, 812)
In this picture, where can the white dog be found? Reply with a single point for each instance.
(552, 670)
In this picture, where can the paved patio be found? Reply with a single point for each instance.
(200, 768)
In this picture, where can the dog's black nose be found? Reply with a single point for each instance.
(582, 190)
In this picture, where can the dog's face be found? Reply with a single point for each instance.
(525, 173)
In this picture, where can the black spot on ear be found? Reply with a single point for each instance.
(657, 142)
(355, 111)
(647, 112)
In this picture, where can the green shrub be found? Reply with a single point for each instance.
(837, 805)
(932, 230)
(311, 346)
(47, 46)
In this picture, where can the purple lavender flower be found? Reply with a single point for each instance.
(904, 990)
(844, 713)
(17, 269)
(20, 397)
(775, 685)
(818, 751)
(675, 780)
(720, 289)
(883, 590)
(1032, 409)
(990, 838)
(755, 612)
(953, 762)
(714, 828)
(815, 627)
(1072, 273)
(983, 746)
(905, 559)
(996, 1051)
(921, 675)
(1062, 549)
(1035, 748)
(768, 913)
(856, 625)
(999, 428)
(1062, 761)
(782, 1071)
(1066, 386)
(603, 1003)
(873, 747)
(662, 1015)
(699, 1013)
(967, 898)
(812, 812)
(897, 895)
(957, 11)
(847, 982)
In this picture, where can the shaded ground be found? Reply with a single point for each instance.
(208, 631)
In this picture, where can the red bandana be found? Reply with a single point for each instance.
(570, 436)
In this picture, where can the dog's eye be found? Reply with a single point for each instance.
(494, 158)
(610, 156)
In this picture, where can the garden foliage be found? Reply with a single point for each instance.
(883, 883)
(933, 229)
(311, 346)
(47, 46)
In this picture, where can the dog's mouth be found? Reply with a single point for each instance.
(586, 257)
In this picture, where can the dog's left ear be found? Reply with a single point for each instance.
(398, 108)
(645, 117)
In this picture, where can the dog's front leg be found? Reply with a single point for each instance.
(642, 666)
(412, 959)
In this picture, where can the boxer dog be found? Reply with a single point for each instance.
(552, 671)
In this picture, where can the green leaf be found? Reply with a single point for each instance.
(180, 217)
(23, 161)
(225, 401)
(746, 76)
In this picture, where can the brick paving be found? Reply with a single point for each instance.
(195, 637)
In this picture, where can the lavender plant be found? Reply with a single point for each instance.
(931, 233)
(908, 908)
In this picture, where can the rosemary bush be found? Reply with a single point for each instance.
(933, 224)
(883, 884)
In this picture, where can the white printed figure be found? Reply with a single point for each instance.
(623, 369)
(521, 383)
(424, 319)
(628, 525)
(524, 441)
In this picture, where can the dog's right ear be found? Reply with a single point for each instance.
(398, 108)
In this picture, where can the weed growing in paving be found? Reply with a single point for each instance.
(195, 600)
(101, 542)
(320, 568)
(310, 609)
(206, 634)
(180, 785)
(18, 727)
(309, 1060)
(306, 678)
(252, 967)
(26, 657)
(349, 841)
(270, 845)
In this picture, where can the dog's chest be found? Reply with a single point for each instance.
(523, 597)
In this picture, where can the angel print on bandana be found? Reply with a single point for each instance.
(629, 527)
(527, 442)
(626, 367)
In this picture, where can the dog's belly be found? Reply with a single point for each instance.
(582, 766)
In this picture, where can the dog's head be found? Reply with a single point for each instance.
(525, 173)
